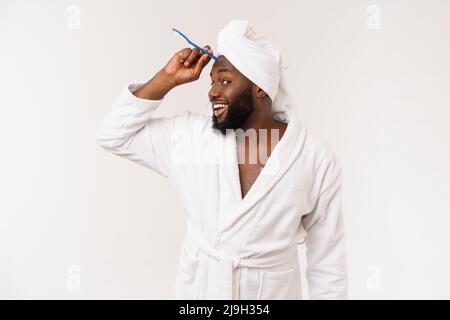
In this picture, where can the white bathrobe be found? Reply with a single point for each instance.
(234, 247)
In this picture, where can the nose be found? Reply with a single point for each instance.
(213, 93)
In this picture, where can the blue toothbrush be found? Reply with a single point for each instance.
(175, 31)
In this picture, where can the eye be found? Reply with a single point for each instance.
(221, 81)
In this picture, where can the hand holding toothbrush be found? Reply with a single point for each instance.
(185, 66)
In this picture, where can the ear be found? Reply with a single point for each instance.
(259, 93)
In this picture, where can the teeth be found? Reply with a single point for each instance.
(218, 106)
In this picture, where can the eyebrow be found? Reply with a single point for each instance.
(221, 70)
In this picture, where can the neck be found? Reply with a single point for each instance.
(261, 118)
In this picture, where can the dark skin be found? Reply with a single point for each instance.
(229, 85)
(186, 66)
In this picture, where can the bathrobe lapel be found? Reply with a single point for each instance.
(281, 158)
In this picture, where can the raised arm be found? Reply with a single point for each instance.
(129, 129)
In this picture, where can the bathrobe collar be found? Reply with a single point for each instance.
(281, 158)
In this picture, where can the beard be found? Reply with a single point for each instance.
(237, 113)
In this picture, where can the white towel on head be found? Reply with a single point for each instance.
(258, 60)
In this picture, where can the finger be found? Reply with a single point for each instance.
(208, 58)
(192, 57)
(204, 60)
(201, 63)
(205, 56)
(208, 48)
(183, 54)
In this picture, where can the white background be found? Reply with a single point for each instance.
(371, 78)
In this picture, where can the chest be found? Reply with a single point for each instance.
(253, 154)
(248, 173)
(251, 161)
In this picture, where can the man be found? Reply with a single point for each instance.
(245, 216)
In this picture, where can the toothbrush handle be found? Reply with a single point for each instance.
(202, 50)
(193, 44)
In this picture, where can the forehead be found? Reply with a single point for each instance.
(223, 65)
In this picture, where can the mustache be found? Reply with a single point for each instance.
(238, 112)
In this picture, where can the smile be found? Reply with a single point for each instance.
(220, 109)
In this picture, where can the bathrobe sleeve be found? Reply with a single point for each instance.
(129, 131)
(326, 269)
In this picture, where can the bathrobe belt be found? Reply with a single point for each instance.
(228, 263)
